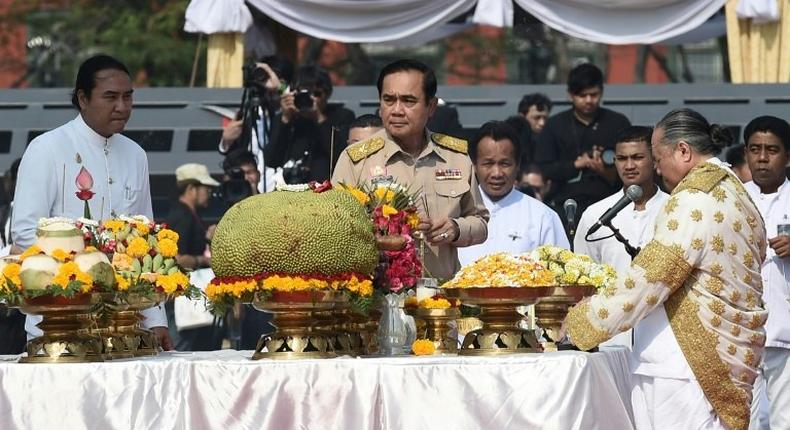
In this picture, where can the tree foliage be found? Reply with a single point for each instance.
(147, 35)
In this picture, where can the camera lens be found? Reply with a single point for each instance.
(302, 100)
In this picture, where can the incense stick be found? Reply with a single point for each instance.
(63, 193)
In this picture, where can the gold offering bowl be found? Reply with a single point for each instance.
(552, 309)
(304, 324)
(67, 325)
(500, 333)
(119, 325)
(434, 325)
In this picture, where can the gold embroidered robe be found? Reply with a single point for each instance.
(703, 266)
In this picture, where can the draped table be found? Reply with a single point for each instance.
(226, 390)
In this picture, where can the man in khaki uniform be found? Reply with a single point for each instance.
(436, 164)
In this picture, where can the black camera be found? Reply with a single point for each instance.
(235, 188)
(254, 76)
(303, 100)
(296, 171)
(607, 157)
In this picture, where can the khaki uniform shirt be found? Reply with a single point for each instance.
(703, 267)
(443, 172)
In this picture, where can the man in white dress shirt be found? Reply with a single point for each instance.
(45, 183)
(634, 164)
(518, 223)
(767, 153)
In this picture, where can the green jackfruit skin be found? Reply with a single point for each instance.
(305, 232)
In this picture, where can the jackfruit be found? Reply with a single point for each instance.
(290, 232)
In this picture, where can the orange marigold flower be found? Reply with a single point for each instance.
(423, 347)
(168, 248)
(137, 248)
(33, 250)
(166, 233)
(388, 210)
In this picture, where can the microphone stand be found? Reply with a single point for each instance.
(628, 247)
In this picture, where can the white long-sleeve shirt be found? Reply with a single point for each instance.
(775, 209)
(46, 186)
(518, 223)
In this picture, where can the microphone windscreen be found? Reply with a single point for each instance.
(634, 192)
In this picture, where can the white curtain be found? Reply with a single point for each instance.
(604, 21)
(217, 16)
(619, 22)
(362, 20)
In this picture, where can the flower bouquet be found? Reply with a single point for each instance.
(142, 254)
(569, 268)
(56, 278)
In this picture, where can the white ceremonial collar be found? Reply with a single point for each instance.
(89, 134)
(723, 164)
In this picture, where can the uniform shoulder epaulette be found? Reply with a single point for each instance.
(704, 177)
(365, 148)
(451, 143)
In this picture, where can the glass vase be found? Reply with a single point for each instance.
(394, 330)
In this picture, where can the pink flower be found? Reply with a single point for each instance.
(84, 180)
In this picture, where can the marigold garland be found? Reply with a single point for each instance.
(33, 250)
(435, 303)
(423, 347)
(238, 286)
(166, 233)
(61, 255)
(69, 272)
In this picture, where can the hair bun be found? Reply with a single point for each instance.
(719, 136)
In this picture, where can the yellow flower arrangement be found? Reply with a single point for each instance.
(166, 233)
(413, 220)
(137, 248)
(141, 228)
(61, 255)
(168, 248)
(238, 287)
(68, 272)
(114, 225)
(439, 303)
(423, 347)
(502, 270)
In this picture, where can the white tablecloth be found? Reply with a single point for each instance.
(226, 390)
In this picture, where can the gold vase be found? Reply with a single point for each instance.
(500, 333)
(434, 325)
(68, 330)
(552, 309)
(303, 322)
(119, 325)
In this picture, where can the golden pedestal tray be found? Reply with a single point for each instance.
(436, 327)
(67, 325)
(119, 326)
(303, 322)
(500, 333)
(552, 309)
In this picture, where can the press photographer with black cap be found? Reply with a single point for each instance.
(309, 134)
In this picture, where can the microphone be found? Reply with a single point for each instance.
(570, 215)
(632, 193)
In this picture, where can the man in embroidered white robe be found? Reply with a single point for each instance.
(45, 184)
(703, 267)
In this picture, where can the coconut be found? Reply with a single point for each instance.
(59, 233)
(37, 271)
(98, 266)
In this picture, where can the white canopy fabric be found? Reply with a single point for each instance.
(370, 21)
(362, 20)
(619, 22)
(217, 16)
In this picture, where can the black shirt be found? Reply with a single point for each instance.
(190, 229)
(309, 141)
(562, 140)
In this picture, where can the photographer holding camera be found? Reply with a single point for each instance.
(264, 82)
(309, 134)
(576, 147)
